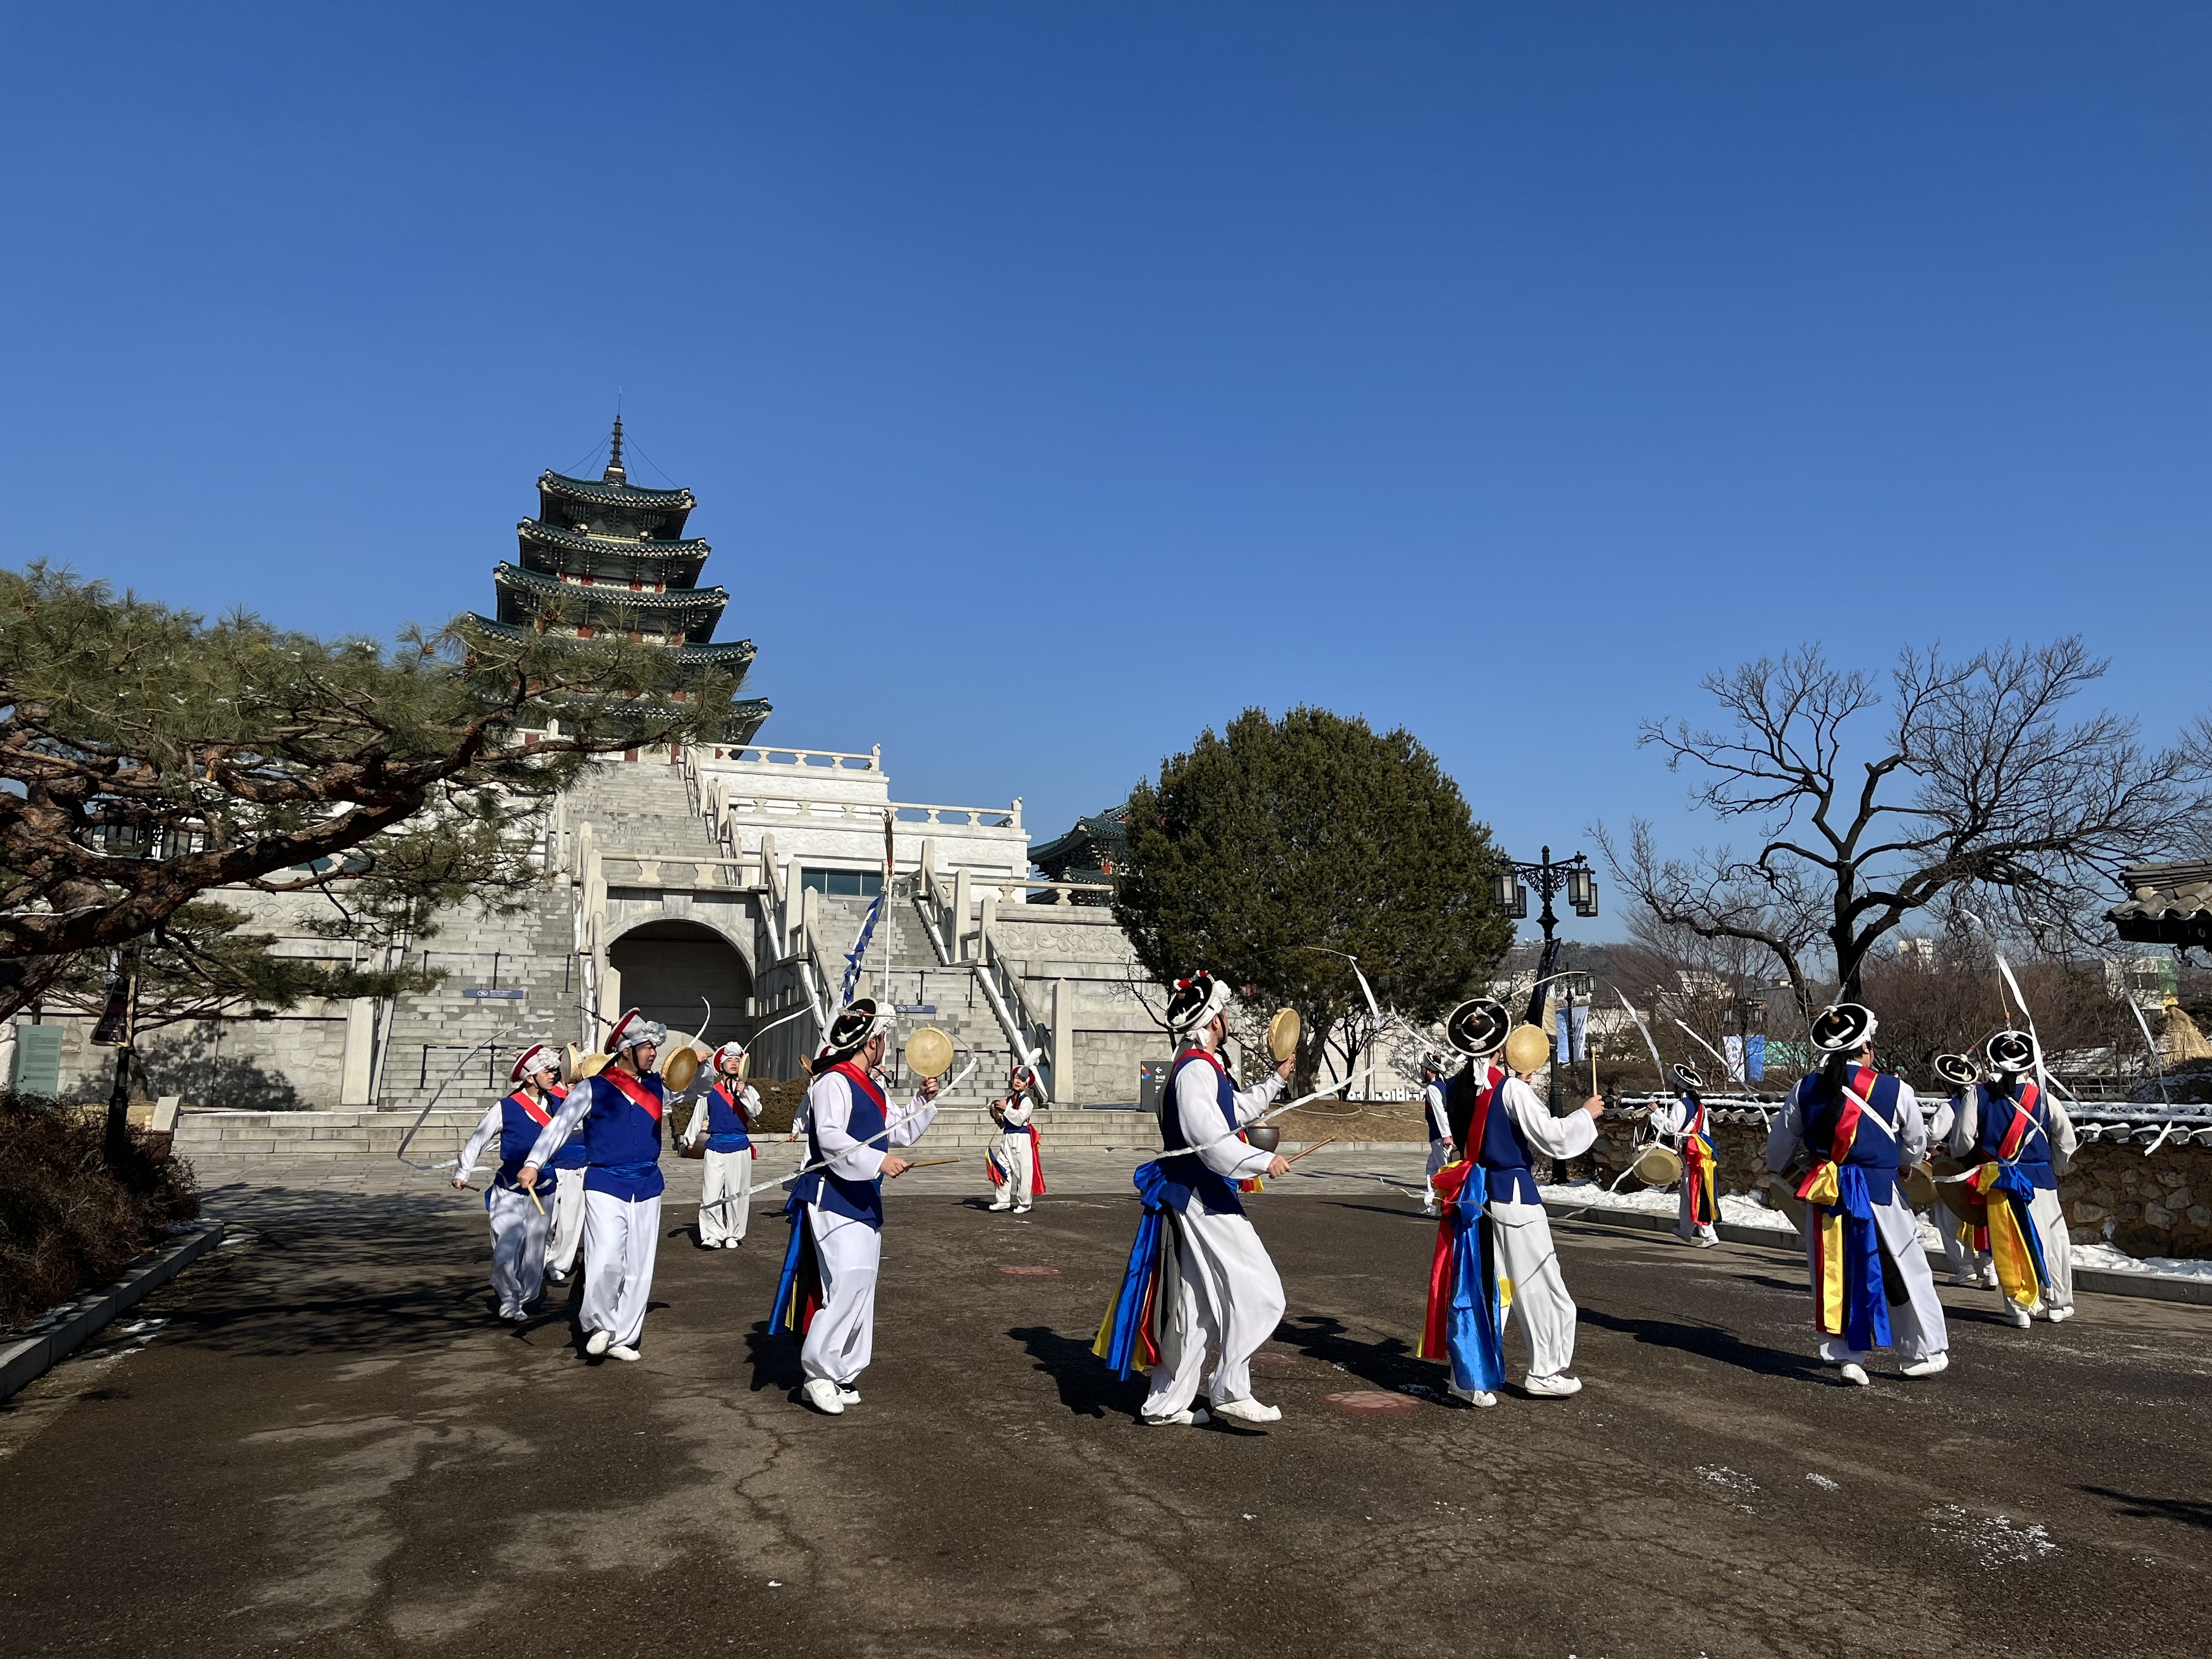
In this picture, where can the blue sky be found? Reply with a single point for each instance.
(1056, 380)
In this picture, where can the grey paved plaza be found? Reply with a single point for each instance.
(330, 1447)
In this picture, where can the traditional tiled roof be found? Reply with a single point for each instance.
(694, 610)
(537, 530)
(728, 655)
(603, 493)
(1088, 850)
(2166, 904)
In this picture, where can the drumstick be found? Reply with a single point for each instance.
(1316, 1147)
(928, 1163)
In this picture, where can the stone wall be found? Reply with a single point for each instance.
(2159, 1205)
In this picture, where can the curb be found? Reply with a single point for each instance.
(26, 1360)
(2149, 1287)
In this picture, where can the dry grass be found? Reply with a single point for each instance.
(69, 1217)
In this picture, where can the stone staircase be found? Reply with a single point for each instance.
(432, 1032)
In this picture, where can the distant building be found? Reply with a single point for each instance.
(1087, 855)
(603, 560)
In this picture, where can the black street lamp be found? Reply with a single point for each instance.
(1574, 877)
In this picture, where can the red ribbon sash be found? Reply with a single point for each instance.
(860, 1079)
(1479, 1123)
(537, 1114)
(2023, 1120)
(635, 1091)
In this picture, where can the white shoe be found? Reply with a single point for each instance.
(554, 1275)
(1966, 1280)
(514, 1315)
(596, 1343)
(622, 1351)
(822, 1393)
(848, 1393)
(1431, 1211)
(1021, 1209)
(731, 1243)
(1473, 1396)
(1856, 1376)
(1556, 1387)
(1184, 1419)
(2058, 1316)
(2019, 1315)
(1247, 1411)
(1931, 1366)
(1001, 1208)
(1989, 1279)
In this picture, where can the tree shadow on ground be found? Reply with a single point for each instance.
(1711, 1342)
(1389, 1364)
(1086, 1387)
(2187, 1511)
(311, 1271)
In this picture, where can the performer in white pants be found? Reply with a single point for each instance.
(1441, 1151)
(1684, 1124)
(1225, 1291)
(827, 1292)
(2012, 1124)
(518, 1223)
(1858, 1128)
(565, 1236)
(725, 1117)
(1967, 1265)
(620, 1112)
(1015, 1174)
(1503, 1132)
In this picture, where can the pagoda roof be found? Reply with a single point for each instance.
(695, 610)
(676, 562)
(604, 494)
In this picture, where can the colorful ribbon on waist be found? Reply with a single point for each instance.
(1465, 1323)
(1698, 1170)
(2014, 1246)
(1846, 1256)
(799, 1286)
(1126, 1341)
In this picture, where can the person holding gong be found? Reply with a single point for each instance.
(826, 1295)
(1198, 1274)
(725, 1118)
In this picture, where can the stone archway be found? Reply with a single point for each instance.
(668, 966)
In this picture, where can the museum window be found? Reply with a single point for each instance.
(843, 884)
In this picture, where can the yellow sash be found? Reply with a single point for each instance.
(2008, 1249)
(1821, 1192)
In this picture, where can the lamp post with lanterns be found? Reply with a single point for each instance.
(1572, 876)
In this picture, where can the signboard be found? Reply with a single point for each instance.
(914, 1007)
(503, 996)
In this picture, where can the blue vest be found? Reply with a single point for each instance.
(1187, 1177)
(862, 1200)
(1504, 1154)
(574, 1154)
(1873, 1148)
(517, 1133)
(725, 1123)
(622, 1141)
(1994, 1120)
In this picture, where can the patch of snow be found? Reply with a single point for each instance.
(1721, 1476)
(2111, 1260)
(1824, 1484)
(1741, 1210)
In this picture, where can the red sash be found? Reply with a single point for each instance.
(736, 1102)
(538, 1114)
(2023, 1121)
(1847, 1119)
(1478, 1122)
(636, 1092)
(860, 1079)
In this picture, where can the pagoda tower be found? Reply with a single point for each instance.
(604, 559)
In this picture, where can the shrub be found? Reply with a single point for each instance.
(69, 1216)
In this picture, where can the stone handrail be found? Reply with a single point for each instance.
(826, 760)
(1001, 989)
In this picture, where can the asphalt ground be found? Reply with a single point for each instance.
(319, 1440)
